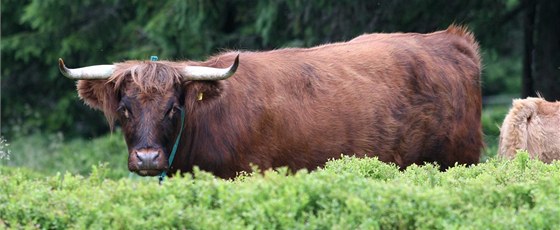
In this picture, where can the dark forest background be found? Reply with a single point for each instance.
(520, 41)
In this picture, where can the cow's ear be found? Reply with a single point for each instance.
(205, 90)
(95, 93)
(100, 95)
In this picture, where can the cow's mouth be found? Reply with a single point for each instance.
(147, 161)
(148, 172)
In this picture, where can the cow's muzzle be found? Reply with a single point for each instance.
(147, 162)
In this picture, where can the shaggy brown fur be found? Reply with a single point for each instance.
(406, 98)
(532, 124)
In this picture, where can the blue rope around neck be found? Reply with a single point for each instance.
(172, 155)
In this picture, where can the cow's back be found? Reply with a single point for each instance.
(406, 99)
(532, 125)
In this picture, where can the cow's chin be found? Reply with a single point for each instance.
(148, 172)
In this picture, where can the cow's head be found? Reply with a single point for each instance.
(146, 98)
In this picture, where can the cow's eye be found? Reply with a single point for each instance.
(172, 111)
(124, 112)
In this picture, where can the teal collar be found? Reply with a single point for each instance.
(174, 151)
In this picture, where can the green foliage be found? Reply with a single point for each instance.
(501, 75)
(349, 193)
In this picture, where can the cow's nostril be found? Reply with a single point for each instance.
(147, 157)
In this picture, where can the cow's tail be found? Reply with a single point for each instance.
(467, 43)
(462, 31)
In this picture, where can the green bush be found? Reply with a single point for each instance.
(349, 193)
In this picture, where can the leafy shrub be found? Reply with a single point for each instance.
(349, 193)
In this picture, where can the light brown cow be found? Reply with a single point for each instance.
(532, 124)
(406, 98)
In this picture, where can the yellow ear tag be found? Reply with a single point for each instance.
(200, 96)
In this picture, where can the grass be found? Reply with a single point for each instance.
(53, 153)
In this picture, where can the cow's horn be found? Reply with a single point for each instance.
(201, 73)
(86, 73)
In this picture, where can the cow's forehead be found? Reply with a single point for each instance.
(152, 78)
(153, 98)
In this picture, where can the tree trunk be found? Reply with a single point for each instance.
(527, 88)
(547, 49)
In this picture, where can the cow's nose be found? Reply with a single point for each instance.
(147, 158)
